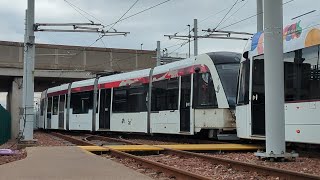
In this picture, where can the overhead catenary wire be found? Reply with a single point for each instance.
(79, 10)
(235, 12)
(288, 2)
(207, 17)
(226, 14)
(77, 7)
(105, 46)
(182, 43)
(204, 19)
(120, 19)
(249, 17)
(149, 8)
(139, 12)
(237, 22)
(101, 36)
(177, 42)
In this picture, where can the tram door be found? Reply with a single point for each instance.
(104, 115)
(61, 111)
(185, 104)
(258, 98)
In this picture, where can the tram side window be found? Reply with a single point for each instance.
(165, 95)
(172, 94)
(243, 91)
(137, 98)
(120, 100)
(302, 75)
(130, 99)
(55, 105)
(311, 72)
(204, 91)
(81, 102)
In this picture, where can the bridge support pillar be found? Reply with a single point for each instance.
(14, 103)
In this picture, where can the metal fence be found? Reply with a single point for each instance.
(5, 125)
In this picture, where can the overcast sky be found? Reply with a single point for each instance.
(147, 27)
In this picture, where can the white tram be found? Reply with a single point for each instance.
(186, 97)
(302, 85)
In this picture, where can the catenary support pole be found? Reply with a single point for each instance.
(259, 15)
(28, 92)
(158, 53)
(24, 69)
(189, 37)
(195, 31)
(274, 81)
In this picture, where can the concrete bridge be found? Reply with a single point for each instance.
(58, 64)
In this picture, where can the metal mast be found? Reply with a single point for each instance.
(158, 53)
(195, 33)
(189, 36)
(259, 15)
(28, 72)
(27, 110)
(274, 81)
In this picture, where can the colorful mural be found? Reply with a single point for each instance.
(298, 35)
(313, 38)
(292, 31)
(257, 41)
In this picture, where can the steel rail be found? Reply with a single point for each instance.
(103, 138)
(72, 139)
(243, 166)
(177, 173)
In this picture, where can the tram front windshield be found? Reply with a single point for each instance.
(228, 74)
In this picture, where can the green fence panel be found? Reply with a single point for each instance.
(5, 125)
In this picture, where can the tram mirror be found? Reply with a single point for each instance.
(246, 55)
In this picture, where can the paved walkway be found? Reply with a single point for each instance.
(66, 162)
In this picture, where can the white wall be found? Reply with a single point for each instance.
(3, 99)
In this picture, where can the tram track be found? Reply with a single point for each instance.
(242, 166)
(175, 172)
(182, 174)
